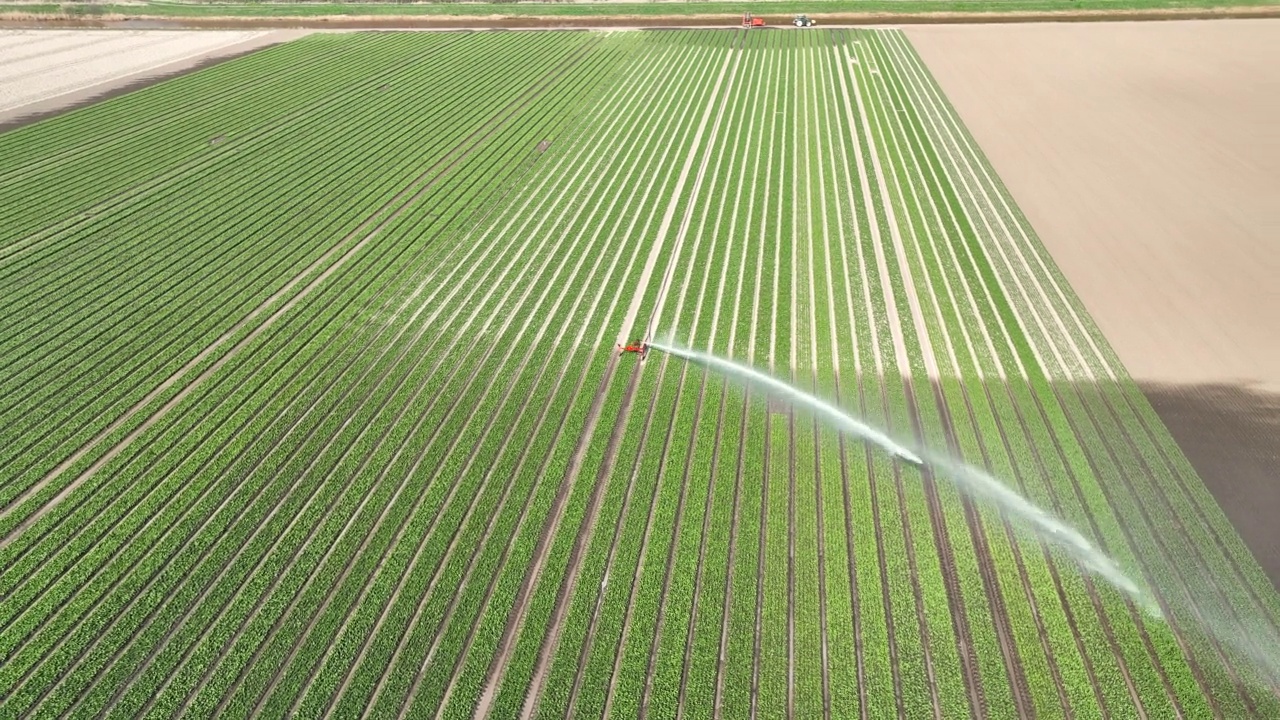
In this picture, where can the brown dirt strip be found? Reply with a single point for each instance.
(20, 20)
(506, 645)
(760, 550)
(567, 587)
(854, 595)
(488, 533)
(497, 668)
(988, 565)
(946, 559)
(405, 199)
(822, 577)
(515, 620)
(648, 532)
(926, 641)
(791, 559)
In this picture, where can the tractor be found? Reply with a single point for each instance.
(803, 21)
(750, 21)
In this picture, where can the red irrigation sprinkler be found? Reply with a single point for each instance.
(636, 346)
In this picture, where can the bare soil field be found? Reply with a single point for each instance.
(1147, 157)
(45, 72)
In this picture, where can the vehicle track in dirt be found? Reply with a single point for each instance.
(624, 513)
(819, 491)
(565, 592)
(632, 310)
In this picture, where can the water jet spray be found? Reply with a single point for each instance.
(969, 479)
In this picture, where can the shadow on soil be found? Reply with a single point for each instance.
(1231, 435)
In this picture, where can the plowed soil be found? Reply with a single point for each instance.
(1147, 157)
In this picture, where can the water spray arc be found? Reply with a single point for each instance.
(970, 480)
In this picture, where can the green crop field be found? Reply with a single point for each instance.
(312, 405)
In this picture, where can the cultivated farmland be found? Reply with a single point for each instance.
(312, 405)
(43, 64)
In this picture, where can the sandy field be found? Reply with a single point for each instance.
(42, 71)
(1147, 157)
